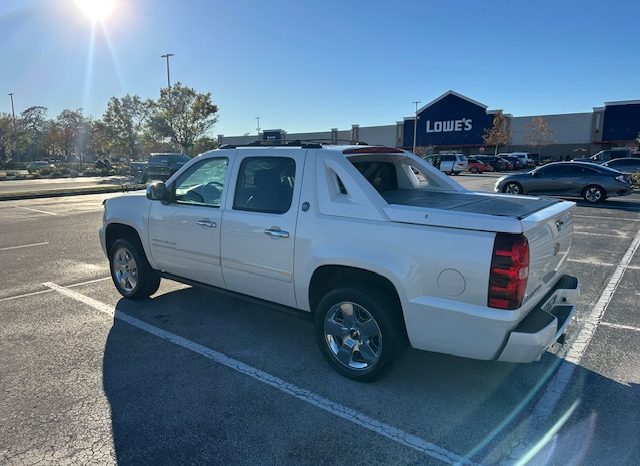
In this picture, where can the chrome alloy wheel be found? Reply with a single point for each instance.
(593, 194)
(353, 336)
(512, 188)
(125, 269)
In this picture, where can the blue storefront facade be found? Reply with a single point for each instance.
(454, 122)
(450, 120)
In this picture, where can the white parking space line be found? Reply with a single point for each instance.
(608, 218)
(26, 295)
(356, 417)
(49, 290)
(35, 210)
(9, 248)
(601, 264)
(620, 326)
(605, 235)
(556, 387)
(558, 384)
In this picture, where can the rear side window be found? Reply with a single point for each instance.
(381, 175)
(265, 184)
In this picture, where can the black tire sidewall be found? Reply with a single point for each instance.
(375, 303)
(513, 183)
(147, 282)
(602, 194)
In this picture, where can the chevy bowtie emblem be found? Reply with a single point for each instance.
(559, 224)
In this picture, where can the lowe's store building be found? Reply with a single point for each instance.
(454, 122)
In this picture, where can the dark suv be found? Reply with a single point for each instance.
(162, 166)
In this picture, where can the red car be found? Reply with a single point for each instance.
(509, 164)
(478, 166)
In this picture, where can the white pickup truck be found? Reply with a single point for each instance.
(380, 247)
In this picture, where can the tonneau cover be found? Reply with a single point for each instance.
(480, 203)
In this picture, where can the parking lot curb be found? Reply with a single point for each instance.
(73, 192)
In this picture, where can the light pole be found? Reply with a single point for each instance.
(258, 121)
(415, 125)
(167, 56)
(13, 112)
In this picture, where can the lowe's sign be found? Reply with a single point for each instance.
(448, 126)
(450, 120)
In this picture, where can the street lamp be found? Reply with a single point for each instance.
(258, 121)
(415, 125)
(167, 56)
(13, 112)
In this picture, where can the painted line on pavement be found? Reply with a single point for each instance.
(35, 210)
(604, 235)
(554, 390)
(603, 217)
(620, 326)
(49, 290)
(10, 248)
(356, 417)
(601, 264)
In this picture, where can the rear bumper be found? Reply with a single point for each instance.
(544, 324)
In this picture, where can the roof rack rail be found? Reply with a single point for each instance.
(303, 143)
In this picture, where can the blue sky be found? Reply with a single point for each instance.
(313, 65)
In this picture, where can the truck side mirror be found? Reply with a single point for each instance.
(157, 191)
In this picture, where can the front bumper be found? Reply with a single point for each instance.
(544, 324)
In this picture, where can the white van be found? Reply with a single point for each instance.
(524, 158)
(451, 164)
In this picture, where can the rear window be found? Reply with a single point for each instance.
(462, 158)
(381, 175)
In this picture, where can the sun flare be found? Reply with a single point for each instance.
(97, 10)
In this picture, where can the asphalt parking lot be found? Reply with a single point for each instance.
(194, 376)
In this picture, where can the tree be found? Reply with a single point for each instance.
(540, 133)
(204, 144)
(499, 134)
(6, 136)
(123, 124)
(73, 133)
(31, 133)
(182, 116)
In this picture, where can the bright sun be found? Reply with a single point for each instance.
(97, 10)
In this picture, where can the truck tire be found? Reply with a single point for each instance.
(359, 332)
(131, 272)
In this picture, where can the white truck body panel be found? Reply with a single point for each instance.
(437, 259)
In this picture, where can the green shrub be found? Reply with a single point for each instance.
(635, 179)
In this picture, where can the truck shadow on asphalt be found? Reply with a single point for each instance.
(170, 405)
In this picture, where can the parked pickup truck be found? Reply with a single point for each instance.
(379, 246)
(159, 167)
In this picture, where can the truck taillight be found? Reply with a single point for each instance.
(509, 271)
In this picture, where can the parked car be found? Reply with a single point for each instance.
(33, 167)
(478, 166)
(508, 164)
(515, 161)
(451, 164)
(161, 166)
(606, 155)
(262, 222)
(625, 165)
(573, 179)
(498, 165)
(525, 159)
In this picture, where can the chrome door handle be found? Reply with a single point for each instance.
(278, 233)
(206, 223)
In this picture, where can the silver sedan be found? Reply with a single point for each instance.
(591, 182)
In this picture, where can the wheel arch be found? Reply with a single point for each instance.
(115, 231)
(331, 276)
